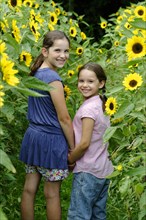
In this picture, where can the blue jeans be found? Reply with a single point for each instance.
(88, 197)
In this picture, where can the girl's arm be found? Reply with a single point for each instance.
(57, 95)
(80, 149)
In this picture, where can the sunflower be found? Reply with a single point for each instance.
(26, 57)
(111, 106)
(131, 18)
(2, 47)
(67, 92)
(132, 81)
(57, 11)
(79, 67)
(8, 72)
(83, 36)
(53, 18)
(79, 50)
(73, 31)
(51, 27)
(116, 121)
(34, 28)
(39, 19)
(28, 3)
(143, 32)
(127, 25)
(64, 13)
(14, 3)
(70, 73)
(140, 12)
(16, 31)
(103, 24)
(119, 19)
(1, 102)
(70, 21)
(1, 94)
(119, 167)
(53, 4)
(4, 25)
(116, 43)
(136, 47)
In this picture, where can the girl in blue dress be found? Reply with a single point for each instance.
(49, 136)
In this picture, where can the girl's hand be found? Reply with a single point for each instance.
(71, 167)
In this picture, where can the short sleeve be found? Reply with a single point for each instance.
(47, 75)
(89, 112)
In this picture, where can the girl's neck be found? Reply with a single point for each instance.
(45, 65)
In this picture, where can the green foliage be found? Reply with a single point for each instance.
(127, 133)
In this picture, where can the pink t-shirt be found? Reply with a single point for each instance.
(96, 159)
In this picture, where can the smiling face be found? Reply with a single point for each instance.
(57, 54)
(88, 83)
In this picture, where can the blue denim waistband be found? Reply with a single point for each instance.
(46, 128)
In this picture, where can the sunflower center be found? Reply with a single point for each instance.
(133, 83)
(72, 31)
(33, 29)
(137, 48)
(24, 57)
(52, 19)
(80, 51)
(13, 3)
(111, 106)
(140, 12)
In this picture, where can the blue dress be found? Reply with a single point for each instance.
(44, 143)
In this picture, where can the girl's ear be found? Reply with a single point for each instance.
(45, 52)
(102, 84)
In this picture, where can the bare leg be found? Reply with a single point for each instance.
(28, 196)
(52, 195)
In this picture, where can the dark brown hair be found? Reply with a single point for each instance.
(101, 76)
(48, 42)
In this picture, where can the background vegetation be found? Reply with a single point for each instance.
(121, 51)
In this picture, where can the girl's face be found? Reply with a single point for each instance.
(88, 83)
(56, 56)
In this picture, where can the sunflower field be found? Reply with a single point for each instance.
(122, 54)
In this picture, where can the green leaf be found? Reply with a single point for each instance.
(12, 42)
(114, 174)
(124, 185)
(139, 23)
(142, 204)
(33, 82)
(139, 188)
(137, 171)
(124, 109)
(137, 142)
(2, 215)
(6, 162)
(115, 90)
(8, 111)
(127, 33)
(142, 214)
(142, 201)
(109, 133)
(138, 115)
(29, 92)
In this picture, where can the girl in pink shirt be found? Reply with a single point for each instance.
(90, 156)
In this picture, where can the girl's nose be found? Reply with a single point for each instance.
(84, 84)
(63, 55)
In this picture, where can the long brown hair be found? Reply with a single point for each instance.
(48, 41)
(101, 76)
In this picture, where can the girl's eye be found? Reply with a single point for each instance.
(80, 80)
(66, 51)
(57, 50)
